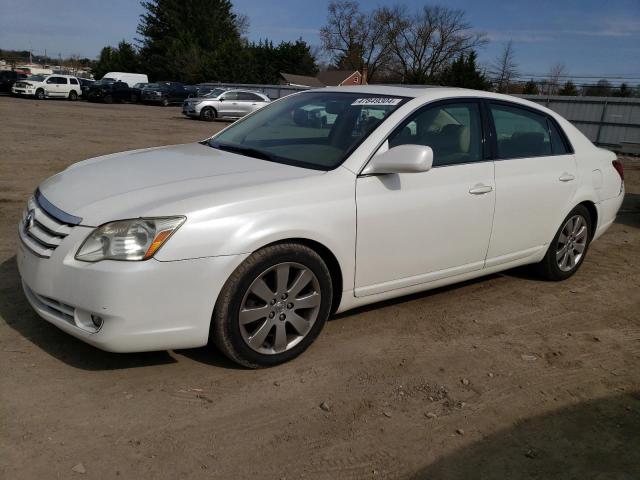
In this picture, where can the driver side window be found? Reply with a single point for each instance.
(453, 131)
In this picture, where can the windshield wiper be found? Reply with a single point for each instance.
(248, 151)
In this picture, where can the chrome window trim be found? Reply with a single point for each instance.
(54, 211)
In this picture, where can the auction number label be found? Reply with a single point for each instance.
(377, 101)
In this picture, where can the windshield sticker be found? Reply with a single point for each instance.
(377, 101)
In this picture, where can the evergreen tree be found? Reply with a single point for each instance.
(123, 58)
(463, 72)
(569, 89)
(531, 88)
(191, 40)
(623, 91)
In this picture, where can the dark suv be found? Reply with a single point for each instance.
(165, 93)
(8, 78)
(109, 91)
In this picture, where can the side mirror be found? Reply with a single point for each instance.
(401, 159)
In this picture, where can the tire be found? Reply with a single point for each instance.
(39, 94)
(556, 265)
(165, 102)
(134, 98)
(208, 114)
(73, 96)
(108, 99)
(268, 338)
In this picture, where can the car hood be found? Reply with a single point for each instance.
(159, 181)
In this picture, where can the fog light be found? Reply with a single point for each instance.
(97, 321)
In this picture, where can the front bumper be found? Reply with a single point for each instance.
(153, 98)
(23, 91)
(145, 306)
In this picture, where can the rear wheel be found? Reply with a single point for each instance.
(273, 306)
(73, 96)
(208, 114)
(569, 247)
(134, 98)
(39, 94)
(108, 99)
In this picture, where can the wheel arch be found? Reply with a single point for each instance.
(593, 213)
(327, 256)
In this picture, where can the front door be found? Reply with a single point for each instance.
(414, 228)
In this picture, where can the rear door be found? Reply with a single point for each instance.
(64, 87)
(536, 179)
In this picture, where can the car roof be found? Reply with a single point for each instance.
(433, 93)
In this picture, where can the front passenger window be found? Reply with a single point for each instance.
(453, 131)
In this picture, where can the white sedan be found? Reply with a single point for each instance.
(252, 238)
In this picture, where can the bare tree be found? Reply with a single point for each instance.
(505, 68)
(355, 39)
(424, 42)
(556, 72)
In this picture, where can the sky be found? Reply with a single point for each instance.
(590, 37)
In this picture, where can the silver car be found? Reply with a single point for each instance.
(221, 103)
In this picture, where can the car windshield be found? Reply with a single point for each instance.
(139, 85)
(214, 93)
(316, 130)
(36, 78)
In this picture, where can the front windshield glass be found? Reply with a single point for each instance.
(214, 93)
(312, 130)
(36, 78)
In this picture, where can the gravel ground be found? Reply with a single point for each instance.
(503, 377)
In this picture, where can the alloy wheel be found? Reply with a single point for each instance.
(279, 308)
(572, 243)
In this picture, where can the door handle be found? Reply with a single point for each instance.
(566, 177)
(480, 189)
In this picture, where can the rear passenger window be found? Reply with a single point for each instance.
(520, 132)
(453, 131)
(73, 81)
(558, 145)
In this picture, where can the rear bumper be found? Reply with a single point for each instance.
(145, 306)
(607, 211)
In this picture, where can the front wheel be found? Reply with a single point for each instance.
(165, 102)
(273, 306)
(40, 94)
(208, 114)
(569, 247)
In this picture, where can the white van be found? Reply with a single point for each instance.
(129, 78)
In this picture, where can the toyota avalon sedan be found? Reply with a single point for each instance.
(250, 239)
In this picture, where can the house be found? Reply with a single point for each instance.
(328, 78)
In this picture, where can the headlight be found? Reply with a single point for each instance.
(137, 239)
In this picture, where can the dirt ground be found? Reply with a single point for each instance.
(506, 377)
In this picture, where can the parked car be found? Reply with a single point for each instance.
(48, 86)
(221, 103)
(136, 91)
(85, 85)
(8, 78)
(164, 93)
(249, 238)
(108, 91)
(129, 78)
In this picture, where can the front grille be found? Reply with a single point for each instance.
(41, 230)
(54, 307)
(20, 85)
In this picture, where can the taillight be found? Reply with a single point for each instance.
(617, 164)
